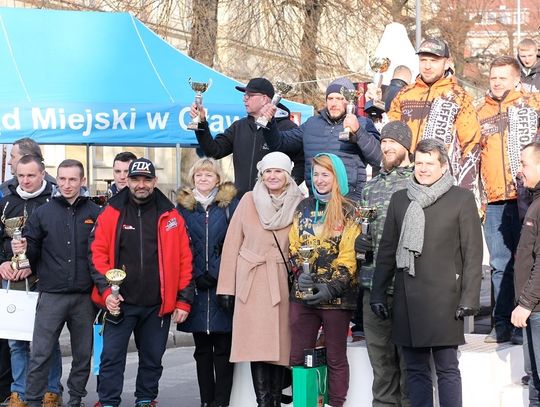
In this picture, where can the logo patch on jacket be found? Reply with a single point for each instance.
(89, 221)
(171, 224)
(127, 227)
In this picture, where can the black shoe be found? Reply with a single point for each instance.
(260, 374)
(207, 405)
(525, 380)
(498, 336)
(517, 336)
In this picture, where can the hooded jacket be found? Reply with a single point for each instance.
(174, 253)
(530, 77)
(496, 154)
(207, 230)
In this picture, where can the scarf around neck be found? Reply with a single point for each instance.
(205, 201)
(29, 195)
(411, 239)
(276, 212)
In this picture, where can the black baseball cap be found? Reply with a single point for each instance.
(258, 85)
(434, 46)
(141, 167)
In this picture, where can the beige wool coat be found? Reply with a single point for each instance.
(252, 270)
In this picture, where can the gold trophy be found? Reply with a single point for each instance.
(305, 251)
(199, 88)
(19, 260)
(115, 277)
(350, 96)
(375, 107)
(281, 88)
(364, 215)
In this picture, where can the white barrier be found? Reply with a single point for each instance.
(491, 376)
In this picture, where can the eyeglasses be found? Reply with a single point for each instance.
(250, 95)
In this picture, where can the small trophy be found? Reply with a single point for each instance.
(19, 261)
(281, 89)
(199, 88)
(115, 277)
(375, 107)
(364, 215)
(350, 96)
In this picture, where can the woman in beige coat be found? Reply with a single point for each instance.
(253, 276)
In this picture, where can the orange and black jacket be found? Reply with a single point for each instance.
(498, 183)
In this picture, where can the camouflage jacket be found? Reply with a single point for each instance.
(377, 193)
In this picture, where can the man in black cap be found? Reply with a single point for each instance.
(244, 137)
(435, 106)
(388, 369)
(141, 232)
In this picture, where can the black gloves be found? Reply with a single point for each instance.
(462, 312)
(363, 244)
(322, 294)
(205, 282)
(305, 282)
(226, 302)
(380, 309)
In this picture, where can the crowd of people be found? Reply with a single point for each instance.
(258, 271)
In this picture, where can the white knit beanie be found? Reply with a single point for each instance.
(275, 160)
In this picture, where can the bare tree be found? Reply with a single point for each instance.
(204, 31)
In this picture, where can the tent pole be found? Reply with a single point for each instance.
(88, 175)
(178, 165)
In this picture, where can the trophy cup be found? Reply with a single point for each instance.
(305, 251)
(19, 261)
(364, 216)
(281, 88)
(199, 88)
(115, 277)
(350, 96)
(375, 107)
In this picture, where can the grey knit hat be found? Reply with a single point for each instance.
(399, 131)
(339, 83)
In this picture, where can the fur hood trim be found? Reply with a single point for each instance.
(226, 193)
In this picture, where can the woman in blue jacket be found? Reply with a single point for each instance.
(207, 209)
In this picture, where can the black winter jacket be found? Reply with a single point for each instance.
(57, 235)
(527, 260)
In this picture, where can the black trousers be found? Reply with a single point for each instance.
(417, 361)
(214, 371)
(5, 370)
(151, 332)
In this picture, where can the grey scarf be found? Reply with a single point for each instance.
(411, 239)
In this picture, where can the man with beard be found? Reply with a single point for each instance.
(435, 106)
(509, 121)
(141, 232)
(530, 64)
(385, 357)
(320, 133)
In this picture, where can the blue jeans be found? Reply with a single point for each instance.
(20, 358)
(533, 342)
(502, 229)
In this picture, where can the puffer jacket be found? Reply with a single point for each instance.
(443, 110)
(320, 134)
(334, 261)
(207, 230)
(498, 155)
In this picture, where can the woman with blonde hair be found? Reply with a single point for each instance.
(254, 277)
(327, 294)
(207, 209)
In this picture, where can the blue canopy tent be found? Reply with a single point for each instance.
(70, 77)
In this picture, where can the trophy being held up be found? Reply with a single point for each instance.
(281, 88)
(19, 260)
(375, 107)
(364, 215)
(199, 88)
(350, 96)
(115, 277)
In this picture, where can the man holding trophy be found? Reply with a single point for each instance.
(386, 360)
(55, 239)
(244, 138)
(352, 138)
(141, 265)
(29, 192)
